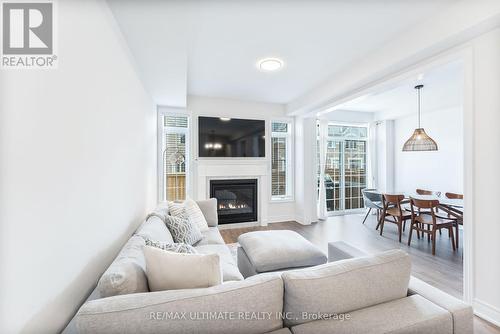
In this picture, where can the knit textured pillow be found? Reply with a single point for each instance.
(172, 247)
(189, 209)
(183, 230)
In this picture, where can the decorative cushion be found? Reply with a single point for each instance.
(169, 271)
(190, 210)
(154, 228)
(127, 272)
(172, 247)
(346, 285)
(275, 250)
(183, 230)
(177, 209)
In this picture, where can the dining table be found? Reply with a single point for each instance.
(454, 207)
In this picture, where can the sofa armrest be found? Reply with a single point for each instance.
(339, 250)
(461, 312)
(209, 209)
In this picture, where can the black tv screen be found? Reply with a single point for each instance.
(231, 137)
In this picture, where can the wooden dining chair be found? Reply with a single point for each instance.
(429, 193)
(455, 196)
(426, 222)
(392, 208)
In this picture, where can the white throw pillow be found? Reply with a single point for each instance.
(170, 271)
(191, 211)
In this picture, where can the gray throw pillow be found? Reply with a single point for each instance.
(183, 230)
(172, 247)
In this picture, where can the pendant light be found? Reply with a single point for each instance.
(419, 140)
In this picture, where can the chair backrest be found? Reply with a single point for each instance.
(429, 204)
(454, 196)
(428, 192)
(392, 199)
(371, 195)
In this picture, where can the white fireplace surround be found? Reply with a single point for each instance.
(228, 169)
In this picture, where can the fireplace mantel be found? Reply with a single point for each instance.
(217, 169)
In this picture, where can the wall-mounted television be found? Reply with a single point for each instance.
(231, 137)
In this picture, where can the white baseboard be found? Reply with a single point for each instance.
(238, 225)
(280, 219)
(486, 311)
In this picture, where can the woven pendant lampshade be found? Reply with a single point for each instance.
(419, 140)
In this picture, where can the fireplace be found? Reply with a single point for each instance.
(236, 200)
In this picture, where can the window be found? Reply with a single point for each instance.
(281, 160)
(345, 168)
(174, 156)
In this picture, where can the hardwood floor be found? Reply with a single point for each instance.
(444, 270)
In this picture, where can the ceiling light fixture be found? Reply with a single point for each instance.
(270, 64)
(225, 119)
(420, 141)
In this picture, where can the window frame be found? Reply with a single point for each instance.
(343, 139)
(289, 136)
(162, 131)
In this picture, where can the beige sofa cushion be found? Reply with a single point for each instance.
(230, 271)
(462, 313)
(409, 315)
(127, 272)
(169, 271)
(144, 313)
(209, 209)
(211, 236)
(346, 285)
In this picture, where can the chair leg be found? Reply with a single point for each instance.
(366, 216)
(382, 221)
(409, 234)
(433, 241)
(428, 234)
(404, 225)
(456, 235)
(450, 230)
(400, 227)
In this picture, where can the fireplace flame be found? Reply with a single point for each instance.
(226, 206)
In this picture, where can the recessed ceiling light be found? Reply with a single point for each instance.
(270, 64)
(225, 119)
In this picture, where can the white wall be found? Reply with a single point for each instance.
(440, 170)
(78, 170)
(483, 80)
(306, 181)
(220, 107)
(384, 155)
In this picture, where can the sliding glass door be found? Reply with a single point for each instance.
(345, 167)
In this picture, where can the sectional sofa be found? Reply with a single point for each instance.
(372, 294)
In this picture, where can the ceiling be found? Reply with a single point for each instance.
(210, 48)
(442, 89)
